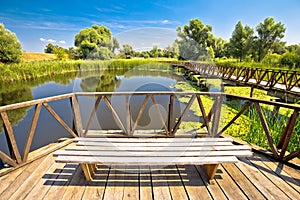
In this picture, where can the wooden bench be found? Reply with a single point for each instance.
(209, 152)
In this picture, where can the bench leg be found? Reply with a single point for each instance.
(210, 170)
(88, 171)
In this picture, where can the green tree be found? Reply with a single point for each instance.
(219, 47)
(195, 38)
(90, 38)
(61, 53)
(74, 53)
(294, 48)
(115, 44)
(240, 41)
(290, 59)
(278, 47)
(268, 32)
(101, 53)
(272, 59)
(170, 52)
(127, 51)
(211, 53)
(10, 47)
(154, 51)
(49, 48)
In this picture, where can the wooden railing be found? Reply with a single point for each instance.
(211, 118)
(264, 78)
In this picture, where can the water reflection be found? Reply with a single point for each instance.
(141, 78)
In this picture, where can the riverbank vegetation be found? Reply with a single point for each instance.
(248, 126)
(260, 47)
(37, 69)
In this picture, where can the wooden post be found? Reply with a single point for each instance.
(7, 159)
(284, 141)
(128, 117)
(87, 172)
(59, 120)
(184, 111)
(284, 134)
(77, 116)
(11, 138)
(266, 129)
(170, 115)
(217, 115)
(140, 113)
(245, 107)
(251, 91)
(31, 131)
(91, 118)
(159, 114)
(205, 118)
(210, 170)
(115, 114)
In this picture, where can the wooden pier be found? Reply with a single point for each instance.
(258, 177)
(284, 82)
(35, 175)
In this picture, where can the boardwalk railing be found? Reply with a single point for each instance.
(263, 78)
(210, 118)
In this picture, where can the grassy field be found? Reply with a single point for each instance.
(31, 56)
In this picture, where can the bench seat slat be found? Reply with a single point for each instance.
(141, 144)
(120, 153)
(156, 140)
(166, 148)
(146, 160)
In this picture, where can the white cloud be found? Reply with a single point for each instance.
(62, 42)
(48, 40)
(165, 21)
(51, 40)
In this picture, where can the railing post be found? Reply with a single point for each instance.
(287, 133)
(217, 115)
(128, 117)
(77, 117)
(30, 136)
(12, 144)
(170, 115)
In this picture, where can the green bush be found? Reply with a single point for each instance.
(10, 47)
(272, 59)
(290, 59)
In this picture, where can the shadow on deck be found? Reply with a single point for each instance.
(257, 177)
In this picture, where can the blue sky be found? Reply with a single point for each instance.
(37, 22)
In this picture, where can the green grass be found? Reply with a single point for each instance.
(37, 69)
(248, 126)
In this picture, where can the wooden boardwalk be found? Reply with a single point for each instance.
(257, 177)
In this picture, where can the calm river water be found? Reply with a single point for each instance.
(149, 78)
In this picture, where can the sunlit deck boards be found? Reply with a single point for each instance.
(255, 178)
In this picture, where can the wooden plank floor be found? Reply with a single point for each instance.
(252, 178)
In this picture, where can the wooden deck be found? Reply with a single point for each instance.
(257, 177)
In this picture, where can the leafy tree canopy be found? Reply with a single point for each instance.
(240, 41)
(97, 36)
(268, 32)
(195, 39)
(10, 47)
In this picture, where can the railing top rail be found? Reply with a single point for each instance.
(34, 102)
(64, 96)
(256, 68)
(147, 93)
(273, 103)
